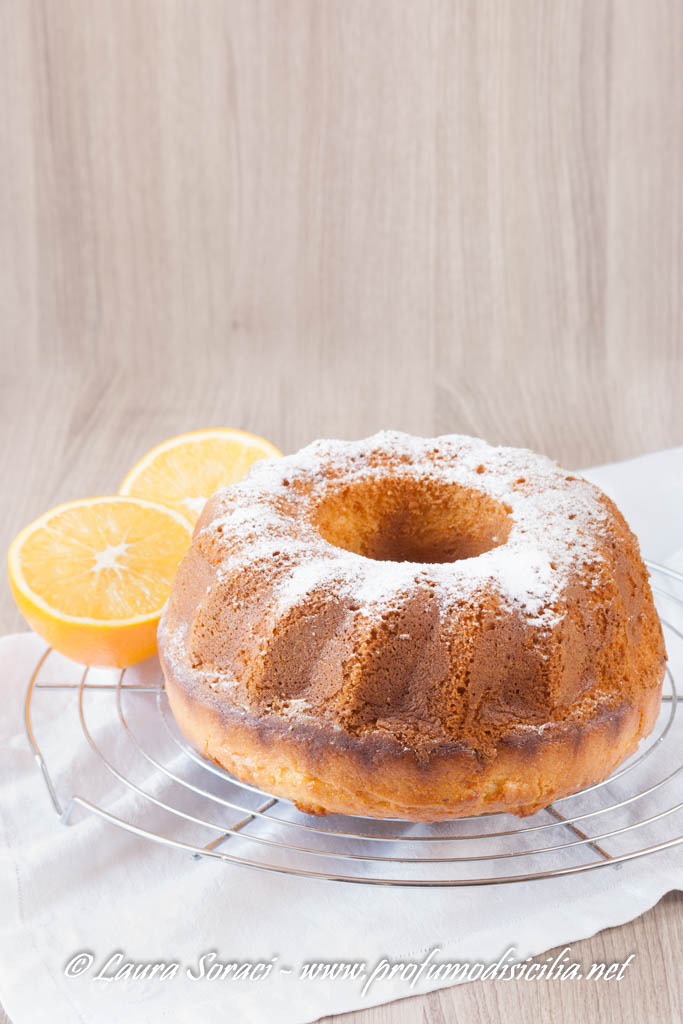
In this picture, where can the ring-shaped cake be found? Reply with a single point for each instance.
(413, 628)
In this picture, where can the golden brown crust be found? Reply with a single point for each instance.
(324, 773)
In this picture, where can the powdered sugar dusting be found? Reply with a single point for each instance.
(553, 518)
(308, 577)
(525, 576)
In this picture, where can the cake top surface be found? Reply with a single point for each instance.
(555, 520)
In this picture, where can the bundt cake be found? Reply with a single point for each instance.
(412, 628)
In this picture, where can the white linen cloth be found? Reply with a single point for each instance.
(92, 887)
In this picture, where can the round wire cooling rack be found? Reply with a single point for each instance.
(136, 771)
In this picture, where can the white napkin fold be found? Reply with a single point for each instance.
(92, 888)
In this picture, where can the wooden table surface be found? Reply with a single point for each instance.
(322, 218)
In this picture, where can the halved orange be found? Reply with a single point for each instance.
(91, 577)
(186, 470)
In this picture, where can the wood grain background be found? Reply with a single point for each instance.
(322, 218)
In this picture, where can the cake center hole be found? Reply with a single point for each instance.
(412, 521)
